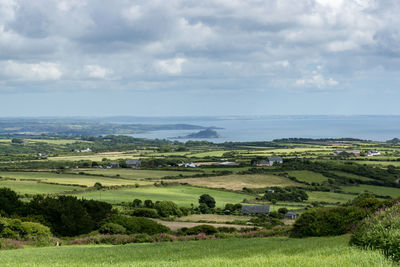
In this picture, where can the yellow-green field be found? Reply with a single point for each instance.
(308, 176)
(32, 187)
(329, 197)
(238, 182)
(67, 179)
(259, 252)
(134, 174)
(182, 195)
(379, 190)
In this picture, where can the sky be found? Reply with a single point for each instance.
(211, 57)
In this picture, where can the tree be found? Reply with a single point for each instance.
(208, 200)
(9, 201)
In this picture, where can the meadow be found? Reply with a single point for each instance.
(308, 176)
(33, 187)
(238, 182)
(378, 190)
(329, 251)
(329, 197)
(183, 196)
(134, 174)
(68, 179)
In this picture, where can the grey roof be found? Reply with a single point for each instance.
(291, 213)
(254, 209)
(133, 162)
(274, 158)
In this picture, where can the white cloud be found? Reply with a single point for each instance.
(316, 80)
(42, 71)
(97, 72)
(133, 13)
(171, 66)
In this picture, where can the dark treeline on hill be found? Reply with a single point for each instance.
(308, 140)
(381, 176)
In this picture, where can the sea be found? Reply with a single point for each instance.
(267, 128)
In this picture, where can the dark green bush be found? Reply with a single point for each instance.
(145, 212)
(112, 228)
(381, 231)
(135, 225)
(167, 208)
(206, 229)
(327, 221)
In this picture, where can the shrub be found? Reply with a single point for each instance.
(167, 208)
(225, 229)
(10, 244)
(206, 229)
(15, 229)
(112, 228)
(327, 221)
(381, 231)
(134, 225)
(208, 200)
(145, 212)
(33, 230)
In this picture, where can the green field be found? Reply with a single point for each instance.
(352, 176)
(378, 190)
(181, 195)
(237, 182)
(308, 176)
(67, 179)
(332, 251)
(329, 197)
(135, 174)
(32, 187)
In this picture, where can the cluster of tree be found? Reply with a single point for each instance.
(293, 194)
(380, 231)
(65, 215)
(338, 220)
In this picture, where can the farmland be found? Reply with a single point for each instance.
(378, 190)
(67, 179)
(238, 182)
(308, 176)
(182, 195)
(332, 251)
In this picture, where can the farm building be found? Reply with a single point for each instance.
(189, 165)
(255, 209)
(372, 153)
(134, 164)
(113, 165)
(269, 161)
(291, 215)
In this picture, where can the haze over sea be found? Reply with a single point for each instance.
(266, 128)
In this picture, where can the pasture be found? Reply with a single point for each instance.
(238, 182)
(378, 190)
(330, 251)
(352, 176)
(34, 187)
(135, 174)
(329, 197)
(308, 176)
(183, 196)
(68, 179)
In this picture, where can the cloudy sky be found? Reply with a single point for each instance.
(184, 57)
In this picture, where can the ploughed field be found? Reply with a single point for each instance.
(329, 251)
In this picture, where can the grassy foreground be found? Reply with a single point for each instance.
(332, 251)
